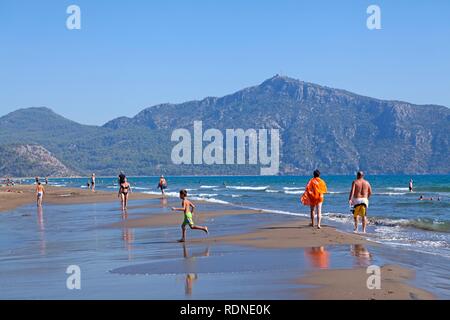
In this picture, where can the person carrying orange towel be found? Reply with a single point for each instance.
(313, 197)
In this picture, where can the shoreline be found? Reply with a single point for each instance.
(327, 284)
(25, 194)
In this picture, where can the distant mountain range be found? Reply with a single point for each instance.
(334, 130)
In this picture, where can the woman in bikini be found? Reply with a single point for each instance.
(124, 189)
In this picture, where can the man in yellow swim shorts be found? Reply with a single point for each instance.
(359, 199)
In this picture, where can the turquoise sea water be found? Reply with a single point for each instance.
(396, 216)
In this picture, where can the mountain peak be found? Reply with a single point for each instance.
(278, 78)
(33, 110)
(36, 118)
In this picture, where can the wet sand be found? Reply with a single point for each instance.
(19, 195)
(293, 235)
(351, 284)
(175, 218)
(328, 284)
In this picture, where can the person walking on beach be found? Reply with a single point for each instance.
(410, 185)
(359, 199)
(188, 210)
(313, 197)
(46, 181)
(162, 184)
(93, 182)
(39, 194)
(124, 190)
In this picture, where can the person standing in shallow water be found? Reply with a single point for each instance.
(313, 197)
(410, 185)
(162, 184)
(40, 191)
(93, 182)
(359, 199)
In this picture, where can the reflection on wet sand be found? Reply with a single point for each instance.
(362, 255)
(190, 260)
(163, 202)
(41, 225)
(318, 257)
(127, 236)
(190, 279)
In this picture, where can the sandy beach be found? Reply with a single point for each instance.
(298, 235)
(18, 195)
(329, 283)
(350, 284)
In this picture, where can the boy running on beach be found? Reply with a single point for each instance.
(188, 210)
(39, 194)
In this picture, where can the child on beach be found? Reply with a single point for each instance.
(313, 197)
(39, 194)
(188, 210)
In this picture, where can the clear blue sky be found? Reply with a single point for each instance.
(139, 53)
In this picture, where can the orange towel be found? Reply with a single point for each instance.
(314, 191)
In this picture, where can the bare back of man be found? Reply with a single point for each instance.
(361, 189)
(359, 196)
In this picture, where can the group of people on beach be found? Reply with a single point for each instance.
(313, 196)
(8, 182)
(360, 193)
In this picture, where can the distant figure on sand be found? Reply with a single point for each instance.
(124, 190)
(93, 182)
(46, 181)
(313, 197)
(162, 184)
(188, 210)
(36, 179)
(39, 194)
(410, 185)
(359, 199)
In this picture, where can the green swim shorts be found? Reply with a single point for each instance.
(188, 219)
